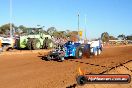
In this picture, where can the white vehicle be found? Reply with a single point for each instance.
(7, 43)
(96, 47)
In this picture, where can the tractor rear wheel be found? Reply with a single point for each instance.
(18, 44)
(79, 52)
(29, 44)
(44, 44)
(48, 44)
(88, 55)
(36, 44)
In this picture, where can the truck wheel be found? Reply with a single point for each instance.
(36, 44)
(79, 52)
(29, 44)
(95, 53)
(6, 48)
(9, 49)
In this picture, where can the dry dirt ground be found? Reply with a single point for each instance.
(23, 69)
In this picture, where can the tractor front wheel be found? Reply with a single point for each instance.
(79, 53)
(88, 53)
(48, 58)
(61, 58)
(29, 44)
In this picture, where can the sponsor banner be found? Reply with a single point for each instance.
(105, 78)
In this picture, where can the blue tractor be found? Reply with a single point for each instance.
(70, 49)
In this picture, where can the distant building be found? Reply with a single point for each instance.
(113, 42)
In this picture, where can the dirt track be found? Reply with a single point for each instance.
(30, 71)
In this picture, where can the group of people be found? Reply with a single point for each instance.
(59, 41)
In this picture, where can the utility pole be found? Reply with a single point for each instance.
(85, 27)
(11, 34)
(78, 28)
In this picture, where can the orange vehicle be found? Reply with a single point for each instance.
(0, 44)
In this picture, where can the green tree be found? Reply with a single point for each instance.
(51, 30)
(63, 34)
(122, 37)
(112, 38)
(105, 37)
(23, 28)
(5, 29)
(73, 35)
(45, 32)
(58, 34)
(129, 37)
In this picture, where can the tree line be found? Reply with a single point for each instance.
(105, 37)
(21, 29)
(18, 30)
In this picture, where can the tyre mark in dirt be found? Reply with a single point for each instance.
(88, 63)
(72, 86)
(127, 68)
(122, 64)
